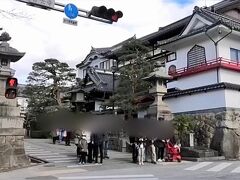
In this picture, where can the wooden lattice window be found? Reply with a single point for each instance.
(196, 56)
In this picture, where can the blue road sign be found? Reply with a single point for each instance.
(71, 11)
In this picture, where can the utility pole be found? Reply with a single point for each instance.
(114, 69)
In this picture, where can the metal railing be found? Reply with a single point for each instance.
(210, 64)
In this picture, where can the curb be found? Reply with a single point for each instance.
(215, 158)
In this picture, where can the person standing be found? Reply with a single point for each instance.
(60, 135)
(64, 135)
(83, 149)
(133, 142)
(54, 135)
(90, 146)
(98, 147)
(105, 145)
(159, 144)
(76, 142)
(141, 151)
(152, 152)
(68, 138)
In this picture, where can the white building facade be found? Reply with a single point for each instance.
(97, 74)
(206, 75)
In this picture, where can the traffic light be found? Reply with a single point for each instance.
(103, 12)
(11, 88)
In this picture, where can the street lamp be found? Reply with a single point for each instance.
(114, 69)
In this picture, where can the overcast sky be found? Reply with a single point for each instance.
(44, 35)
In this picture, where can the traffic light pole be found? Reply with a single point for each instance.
(82, 12)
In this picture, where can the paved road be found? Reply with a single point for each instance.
(63, 165)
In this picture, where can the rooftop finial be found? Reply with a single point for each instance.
(196, 8)
(5, 37)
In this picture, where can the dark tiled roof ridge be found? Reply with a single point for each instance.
(111, 47)
(222, 4)
(219, 15)
(223, 85)
(100, 50)
(167, 27)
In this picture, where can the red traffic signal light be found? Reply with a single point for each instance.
(11, 88)
(103, 12)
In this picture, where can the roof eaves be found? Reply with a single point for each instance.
(166, 29)
(225, 5)
(201, 89)
(198, 31)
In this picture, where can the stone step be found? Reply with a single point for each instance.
(214, 158)
(198, 152)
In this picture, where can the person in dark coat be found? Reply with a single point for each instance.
(134, 144)
(90, 148)
(68, 138)
(98, 147)
(160, 146)
(83, 147)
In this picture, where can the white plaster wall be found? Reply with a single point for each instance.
(95, 62)
(196, 80)
(229, 76)
(97, 105)
(201, 101)
(80, 72)
(142, 114)
(231, 41)
(182, 50)
(80, 97)
(232, 98)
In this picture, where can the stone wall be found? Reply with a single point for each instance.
(12, 134)
(218, 129)
(12, 153)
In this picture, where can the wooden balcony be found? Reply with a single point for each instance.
(210, 64)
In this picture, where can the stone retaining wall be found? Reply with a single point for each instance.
(218, 129)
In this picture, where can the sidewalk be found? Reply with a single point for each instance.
(117, 161)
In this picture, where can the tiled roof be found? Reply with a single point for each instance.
(7, 50)
(167, 31)
(103, 51)
(103, 83)
(201, 89)
(106, 84)
(215, 18)
(225, 5)
(221, 18)
(174, 29)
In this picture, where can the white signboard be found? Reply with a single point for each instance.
(191, 138)
(43, 3)
(70, 21)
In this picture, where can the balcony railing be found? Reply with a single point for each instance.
(211, 64)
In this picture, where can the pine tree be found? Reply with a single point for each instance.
(45, 82)
(133, 56)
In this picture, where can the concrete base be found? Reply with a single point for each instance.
(200, 154)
